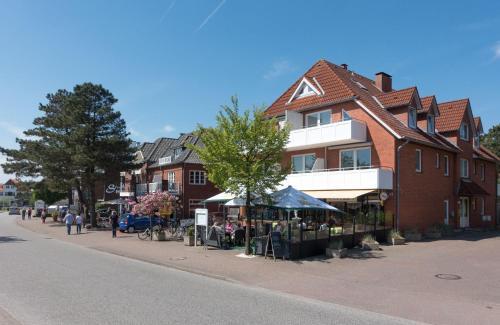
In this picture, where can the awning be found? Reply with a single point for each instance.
(469, 188)
(338, 195)
(221, 197)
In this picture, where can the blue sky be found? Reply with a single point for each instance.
(173, 63)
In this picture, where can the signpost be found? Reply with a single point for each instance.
(200, 219)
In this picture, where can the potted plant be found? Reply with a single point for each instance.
(159, 234)
(336, 249)
(395, 238)
(189, 237)
(369, 243)
(413, 234)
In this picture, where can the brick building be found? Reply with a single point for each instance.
(365, 147)
(168, 165)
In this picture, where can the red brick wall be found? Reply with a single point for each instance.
(197, 192)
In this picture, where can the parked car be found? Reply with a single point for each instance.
(130, 222)
(14, 210)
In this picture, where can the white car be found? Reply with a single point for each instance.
(14, 210)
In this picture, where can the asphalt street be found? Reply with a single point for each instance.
(47, 281)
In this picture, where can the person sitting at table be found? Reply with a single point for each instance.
(278, 227)
(229, 228)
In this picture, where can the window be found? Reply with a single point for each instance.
(446, 212)
(412, 118)
(476, 141)
(446, 166)
(481, 171)
(355, 158)
(303, 163)
(464, 131)
(165, 160)
(482, 206)
(318, 118)
(177, 152)
(157, 178)
(345, 116)
(430, 124)
(171, 177)
(437, 160)
(197, 177)
(464, 168)
(418, 160)
(305, 91)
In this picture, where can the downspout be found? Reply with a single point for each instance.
(398, 162)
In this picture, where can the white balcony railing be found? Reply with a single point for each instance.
(141, 189)
(337, 133)
(155, 187)
(355, 179)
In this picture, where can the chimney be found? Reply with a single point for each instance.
(383, 81)
(344, 66)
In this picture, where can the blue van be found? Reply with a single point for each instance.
(130, 222)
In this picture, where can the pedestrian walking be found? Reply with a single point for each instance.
(29, 213)
(79, 222)
(68, 219)
(114, 222)
(43, 215)
(23, 213)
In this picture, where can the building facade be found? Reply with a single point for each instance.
(168, 165)
(386, 156)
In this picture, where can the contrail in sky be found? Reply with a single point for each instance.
(211, 15)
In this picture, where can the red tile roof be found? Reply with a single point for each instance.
(339, 85)
(487, 154)
(451, 115)
(427, 103)
(397, 98)
(478, 124)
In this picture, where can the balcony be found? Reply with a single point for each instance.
(141, 189)
(337, 179)
(337, 133)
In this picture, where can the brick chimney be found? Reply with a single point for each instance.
(383, 81)
(344, 66)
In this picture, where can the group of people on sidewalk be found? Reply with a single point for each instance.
(69, 219)
(26, 212)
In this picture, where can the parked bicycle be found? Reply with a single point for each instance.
(143, 235)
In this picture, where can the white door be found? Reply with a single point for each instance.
(464, 212)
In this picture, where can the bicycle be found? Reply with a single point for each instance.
(147, 233)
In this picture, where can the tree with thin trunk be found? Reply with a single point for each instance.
(76, 141)
(242, 154)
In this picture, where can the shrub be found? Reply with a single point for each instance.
(395, 234)
(368, 239)
(190, 231)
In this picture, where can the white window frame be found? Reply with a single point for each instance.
(412, 112)
(200, 173)
(446, 162)
(464, 172)
(303, 156)
(482, 171)
(354, 157)
(171, 177)
(429, 129)
(344, 113)
(418, 162)
(446, 212)
(319, 118)
(437, 160)
(464, 127)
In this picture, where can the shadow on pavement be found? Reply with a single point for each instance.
(10, 239)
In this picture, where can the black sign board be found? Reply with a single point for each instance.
(276, 246)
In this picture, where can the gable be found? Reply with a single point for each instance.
(305, 89)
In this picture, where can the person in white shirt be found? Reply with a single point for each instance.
(68, 219)
(79, 222)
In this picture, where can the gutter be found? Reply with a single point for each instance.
(398, 167)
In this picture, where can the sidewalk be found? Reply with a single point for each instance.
(399, 280)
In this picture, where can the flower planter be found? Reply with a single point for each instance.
(189, 240)
(397, 241)
(370, 246)
(159, 236)
(338, 253)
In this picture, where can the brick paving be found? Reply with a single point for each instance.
(399, 280)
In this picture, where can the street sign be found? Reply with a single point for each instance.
(200, 219)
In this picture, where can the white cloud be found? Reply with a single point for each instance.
(496, 51)
(278, 69)
(168, 128)
(12, 129)
(211, 15)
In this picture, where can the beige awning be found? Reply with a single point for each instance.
(338, 195)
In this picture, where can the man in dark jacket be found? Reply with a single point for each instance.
(114, 222)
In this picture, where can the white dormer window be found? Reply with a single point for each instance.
(346, 116)
(305, 89)
(165, 160)
(412, 118)
(430, 124)
(177, 152)
(464, 131)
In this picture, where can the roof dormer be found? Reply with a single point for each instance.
(306, 89)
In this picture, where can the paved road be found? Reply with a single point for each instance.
(47, 281)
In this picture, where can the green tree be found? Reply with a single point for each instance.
(491, 139)
(74, 143)
(242, 154)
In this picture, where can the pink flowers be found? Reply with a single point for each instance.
(162, 202)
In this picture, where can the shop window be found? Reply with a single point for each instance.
(197, 177)
(355, 158)
(303, 163)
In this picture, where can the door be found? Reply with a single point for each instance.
(464, 212)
